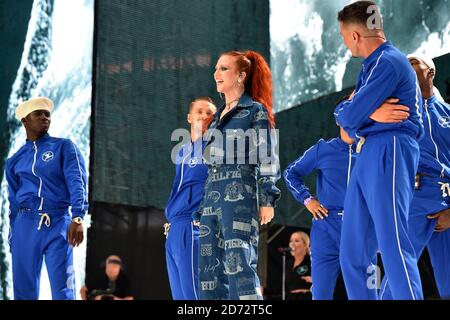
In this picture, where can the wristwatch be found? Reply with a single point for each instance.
(78, 220)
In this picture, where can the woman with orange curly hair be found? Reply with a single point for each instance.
(240, 191)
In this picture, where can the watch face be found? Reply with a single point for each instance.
(78, 220)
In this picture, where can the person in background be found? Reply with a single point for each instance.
(298, 272)
(111, 284)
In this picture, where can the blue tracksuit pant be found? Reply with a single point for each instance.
(325, 243)
(439, 248)
(182, 259)
(430, 198)
(376, 217)
(229, 235)
(29, 246)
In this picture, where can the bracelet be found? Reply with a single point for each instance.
(307, 200)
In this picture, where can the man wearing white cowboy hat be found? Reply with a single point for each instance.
(45, 177)
(429, 215)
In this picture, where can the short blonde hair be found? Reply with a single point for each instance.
(305, 238)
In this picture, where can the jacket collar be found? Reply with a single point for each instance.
(198, 142)
(245, 101)
(342, 144)
(44, 138)
(374, 55)
(430, 101)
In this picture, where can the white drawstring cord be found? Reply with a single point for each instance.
(47, 220)
(445, 188)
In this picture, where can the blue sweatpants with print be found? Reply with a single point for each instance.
(325, 244)
(29, 246)
(181, 258)
(229, 235)
(376, 209)
(430, 198)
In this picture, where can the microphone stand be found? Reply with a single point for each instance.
(283, 284)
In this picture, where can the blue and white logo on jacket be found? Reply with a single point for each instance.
(241, 114)
(193, 162)
(444, 122)
(47, 156)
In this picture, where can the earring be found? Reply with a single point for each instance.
(431, 73)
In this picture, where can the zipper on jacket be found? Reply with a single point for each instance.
(34, 173)
(350, 151)
(182, 166)
(431, 136)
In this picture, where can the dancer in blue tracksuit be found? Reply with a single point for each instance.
(429, 216)
(45, 177)
(333, 161)
(187, 192)
(240, 191)
(381, 187)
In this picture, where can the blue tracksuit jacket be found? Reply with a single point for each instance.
(435, 148)
(47, 174)
(333, 160)
(189, 183)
